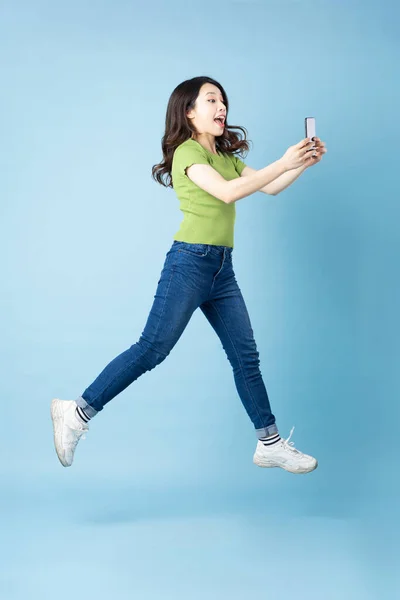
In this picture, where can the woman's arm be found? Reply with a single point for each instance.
(280, 183)
(283, 181)
(208, 179)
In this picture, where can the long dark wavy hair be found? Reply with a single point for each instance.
(178, 128)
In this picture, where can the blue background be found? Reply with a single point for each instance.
(163, 499)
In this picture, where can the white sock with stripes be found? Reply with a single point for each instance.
(270, 441)
(81, 415)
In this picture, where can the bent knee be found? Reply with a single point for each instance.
(152, 354)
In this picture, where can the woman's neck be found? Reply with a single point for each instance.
(207, 142)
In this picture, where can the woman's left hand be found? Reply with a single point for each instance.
(320, 150)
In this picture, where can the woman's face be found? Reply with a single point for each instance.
(209, 107)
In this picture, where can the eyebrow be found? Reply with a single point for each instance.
(212, 93)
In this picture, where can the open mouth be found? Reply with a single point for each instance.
(220, 121)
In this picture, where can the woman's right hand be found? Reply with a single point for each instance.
(298, 155)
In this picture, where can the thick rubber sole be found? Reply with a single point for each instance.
(257, 460)
(57, 418)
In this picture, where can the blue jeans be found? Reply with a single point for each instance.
(193, 276)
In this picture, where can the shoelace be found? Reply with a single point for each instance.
(81, 434)
(290, 445)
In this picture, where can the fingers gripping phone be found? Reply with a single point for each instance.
(310, 130)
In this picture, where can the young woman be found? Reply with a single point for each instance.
(200, 164)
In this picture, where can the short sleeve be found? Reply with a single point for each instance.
(238, 164)
(187, 155)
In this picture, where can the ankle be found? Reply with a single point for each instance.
(82, 415)
(270, 440)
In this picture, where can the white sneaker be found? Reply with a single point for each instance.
(68, 429)
(283, 454)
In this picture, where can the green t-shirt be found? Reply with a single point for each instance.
(206, 220)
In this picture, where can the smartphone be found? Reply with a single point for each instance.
(310, 129)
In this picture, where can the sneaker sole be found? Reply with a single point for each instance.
(57, 418)
(260, 463)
